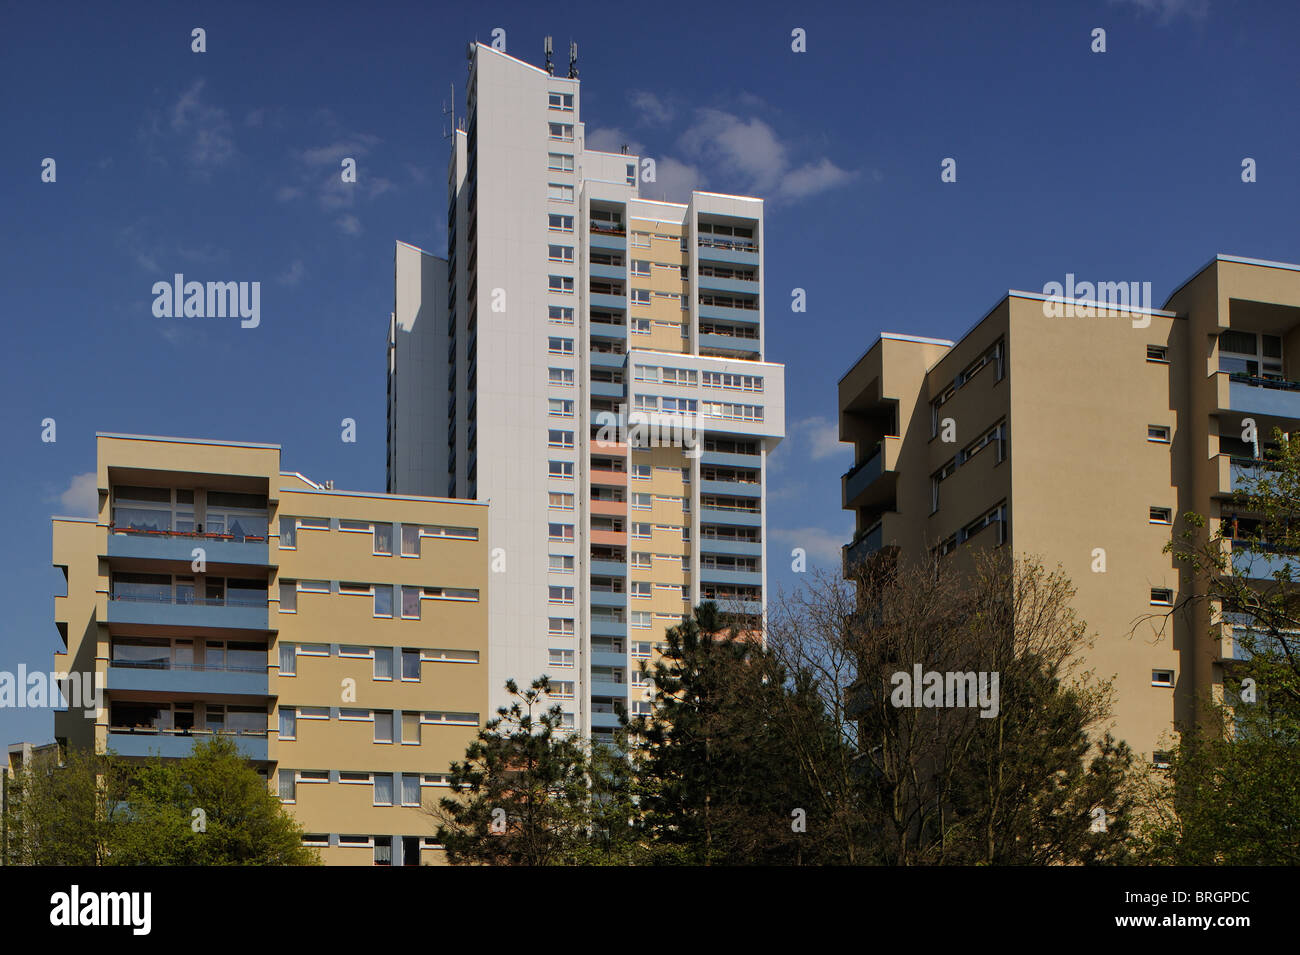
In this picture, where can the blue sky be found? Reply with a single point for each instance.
(1117, 166)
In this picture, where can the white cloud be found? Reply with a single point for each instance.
(81, 499)
(1169, 10)
(207, 128)
(821, 545)
(611, 139)
(293, 275)
(674, 181)
(822, 436)
(813, 178)
(348, 224)
(651, 107)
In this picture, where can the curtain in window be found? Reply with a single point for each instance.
(383, 789)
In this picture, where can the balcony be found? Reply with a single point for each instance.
(608, 598)
(735, 251)
(609, 538)
(179, 546)
(726, 313)
(608, 330)
(1255, 561)
(616, 272)
(727, 459)
(605, 300)
(722, 575)
(609, 478)
(718, 284)
(871, 482)
(173, 745)
(148, 610)
(1239, 475)
(736, 604)
(603, 237)
(745, 347)
(734, 548)
(608, 688)
(609, 568)
(608, 658)
(1266, 397)
(730, 515)
(732, 488)
(609, 508)
(863, 545)
(604, 627)
(605, 359)
(607, 389)
(604, 720)
(189, 680)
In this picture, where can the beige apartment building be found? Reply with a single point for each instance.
(338, 637)
(1079, 431)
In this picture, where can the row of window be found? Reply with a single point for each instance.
(404, 787)
(994, 517)
(994, 355)
(385, 595)
(382, 533)
(410, 660)
(390, 726)
(995, 436)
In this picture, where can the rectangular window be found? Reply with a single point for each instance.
(410, 728)
(288, 723)
(1162, 677)
(1158, 353)
(411, 603)
(383, 793)
(560, 346)
(560, 283)
(560, 532)
(288, 660)
(560, 627)
(559, 439)
(288, 791)
(641, 531)
(383, 726)
(640, 501)
(640, 296)
(383, 663)
(1162, 597)
(411, 665)
(559, 223)
(288, 597)
(642, 619)
(560, 314)
(383, 600)
(562, 377)
(410, 540)
(559, 191)
(562, 101)
(640, 559)
(561, 658)
(561, 564)
(562, 689)
(560, 595)
(561, 132)
(640, 472)
(1158, 433)
(560, 407)
(1162, 515)
(640, 588)
(384, 539)
(640, 267)
(640, 326)
(410, 789)
(559, 469)
(560, 501)
(561, 162)
(288, 533)
(560, 253)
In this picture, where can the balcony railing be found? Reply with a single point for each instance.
(737, 245)
(191, 601)
(187, 667)
(607, 230)
(1281, 384)
(198, 535)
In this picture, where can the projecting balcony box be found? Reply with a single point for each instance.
(608, 658)
(733, 548)
(607, 477)
(872, 481)
(608, 330)
(1239, 475)
(608, 598)
(190, 681)
(609, 568)
(607, 359)
(608, 688)
(734, 251)
(609, 538)
(605, 238)
(730, 515)
(609, 508)
(164, 611)
(605, 300)
(728, 314)
(604, 627)
(728, 459)
(732, 488)
(1259, 397)
(607, 389)
(616, 272)
(174, 745)
(604, 720)
(718, 575)
(714, 283)
(730, 343)
(871, 540)
(152, 544)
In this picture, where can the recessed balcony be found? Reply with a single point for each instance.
(189, 680)
(871, 482)
(172, 744)
(167, 611)
(1263, 397)
(180, 546)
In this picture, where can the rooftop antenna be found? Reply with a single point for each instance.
(550, 67)
(446, 111)
(573, 59)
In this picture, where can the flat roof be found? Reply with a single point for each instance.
(380, 495)
(168, 440)
(1239, 260)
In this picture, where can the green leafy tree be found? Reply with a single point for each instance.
(210, 808)
(62, 809)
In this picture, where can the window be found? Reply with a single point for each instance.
(1160, 759)
(560, 101)
(560, 407)
(640, 501)
(361, 590)
(383, 726)
(640, 326)
(640, 588)
(560, 192)
(560, 314)
(410, 540)
(411, 665)
(410, 728)
(559, 439)
(559, 223)
(640, 559)
(1157, 353)
(641, 649)
(288, 723)
(313, 649)
(1162, 597)
(640, 472)
(314, 586)
(560, 283)
(410, 789)
(640, 296)
(642, 619)
(288, 660)
(288, 533)
(288, 597)
(561, 132)
(360, 653)
(562, 689)
(411, 603)
(561, 564)
(560, 469)
(561, 377)
(640, 240)
(640, 267)
(383, 797)
(560, 532)
(560, 253)
(383, 663)
(560, 595)
(641, 531)
(1162, 515)
(1162, 677)
(1158, 433)
(562, 162)
(1251, 355)
(383, 600)
(561, 658)
(384, 539)
(560, 627)
(560, 501)
(309, 712)
(288, 791)
(315, 839)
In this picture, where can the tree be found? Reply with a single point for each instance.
(210, 808)
(717, 774)
(523, 793)
(62, 809)
(1015, 776)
